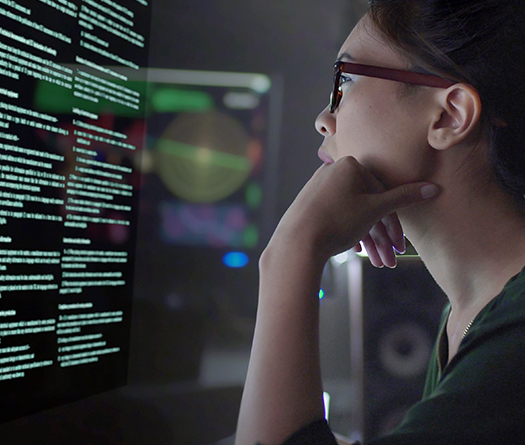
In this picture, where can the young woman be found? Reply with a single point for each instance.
(435, 144)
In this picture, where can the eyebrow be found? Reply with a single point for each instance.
(345, 56)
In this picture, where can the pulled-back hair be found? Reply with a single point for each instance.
(479, 42)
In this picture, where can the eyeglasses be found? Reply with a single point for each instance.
(428, 80)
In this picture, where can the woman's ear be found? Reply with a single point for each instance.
(457, 114)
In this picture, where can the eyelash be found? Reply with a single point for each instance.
(345, 78)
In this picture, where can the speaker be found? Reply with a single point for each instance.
(401, 312)
(377, 330)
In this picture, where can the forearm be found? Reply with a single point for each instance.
(283, 390)
(334, 211)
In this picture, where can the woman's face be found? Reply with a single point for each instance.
(383, 128)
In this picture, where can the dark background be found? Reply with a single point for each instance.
(295, 43)
(297, 40)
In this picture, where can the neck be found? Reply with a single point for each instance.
(472, 241)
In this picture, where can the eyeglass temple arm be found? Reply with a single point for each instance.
(422, 79)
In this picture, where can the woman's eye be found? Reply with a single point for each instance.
(345, 78)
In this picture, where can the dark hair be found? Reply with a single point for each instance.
(480, 42)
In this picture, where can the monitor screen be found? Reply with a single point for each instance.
(71, 134)
(208, 139)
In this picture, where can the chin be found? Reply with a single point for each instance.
(392, 180)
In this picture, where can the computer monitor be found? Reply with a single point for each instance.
(71, 132)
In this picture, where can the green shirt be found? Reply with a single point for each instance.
(479, 397)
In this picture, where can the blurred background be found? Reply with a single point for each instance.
(246, 80)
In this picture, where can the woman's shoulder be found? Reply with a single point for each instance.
(505, 310)
(497, 329)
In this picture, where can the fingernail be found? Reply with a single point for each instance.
(429, 191)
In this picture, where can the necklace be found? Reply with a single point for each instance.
(467, 328)
(440, 341)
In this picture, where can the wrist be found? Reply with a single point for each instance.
(293, 265)
(295, 251)
(301, 240)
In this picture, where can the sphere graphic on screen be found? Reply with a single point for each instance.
(203, 157)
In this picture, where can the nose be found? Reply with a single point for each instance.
(325, 123)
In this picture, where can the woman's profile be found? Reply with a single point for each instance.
(424, 136)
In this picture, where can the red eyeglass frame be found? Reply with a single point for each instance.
(340, 67)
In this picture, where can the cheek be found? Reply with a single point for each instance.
(390, 144)
(407, 160)
(367, 131)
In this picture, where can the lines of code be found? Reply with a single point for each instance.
(71, 131)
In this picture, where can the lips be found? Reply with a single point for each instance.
(324, 157)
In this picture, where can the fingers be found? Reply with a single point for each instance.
(395, 232)
(387, 234)
(388, 201)
(341, 204)
(379, 247)
(371, 250)
(382, 239)
(407, 195)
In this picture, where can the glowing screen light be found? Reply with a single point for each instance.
(204, 157)
(165, 100)
(321, 294)
(340, 258)
(326, 401)
(235, 259)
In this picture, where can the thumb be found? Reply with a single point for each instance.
(407, 195)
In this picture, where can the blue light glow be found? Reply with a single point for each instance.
(321, 294)
(235, 259)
